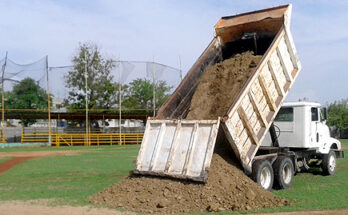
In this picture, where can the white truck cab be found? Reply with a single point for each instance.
(301, 125)
(299, 139)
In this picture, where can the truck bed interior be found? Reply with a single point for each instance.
(256, 36)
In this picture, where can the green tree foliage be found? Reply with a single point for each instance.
(101, 89)
(338, 115)
(139, 94)
(27, 94)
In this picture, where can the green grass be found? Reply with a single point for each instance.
(314, 191)
(344, 142)
(71, 179)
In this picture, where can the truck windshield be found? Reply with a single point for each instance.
(285, 114)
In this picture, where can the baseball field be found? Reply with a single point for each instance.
(56, 178)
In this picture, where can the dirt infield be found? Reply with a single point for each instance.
(220, 86)
(7, 165)
(40, 207)
(37, 207)
(19, 157)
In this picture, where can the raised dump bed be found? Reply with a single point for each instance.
(176, 147)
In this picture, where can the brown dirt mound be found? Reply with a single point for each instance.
(227, 188)
(220, 85)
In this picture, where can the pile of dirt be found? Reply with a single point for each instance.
(220, 85)
(227, 188)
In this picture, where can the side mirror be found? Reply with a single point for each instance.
(325, 113)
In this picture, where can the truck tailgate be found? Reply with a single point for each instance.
(178, 148)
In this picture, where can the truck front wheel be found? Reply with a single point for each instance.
(263, 174)
(329, 163)
(283, 172)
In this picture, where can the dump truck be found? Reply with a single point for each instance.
(175, 147)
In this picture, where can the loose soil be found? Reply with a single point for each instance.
(220, 86)
(227, 187)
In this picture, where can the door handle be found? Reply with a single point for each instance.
(317, 137)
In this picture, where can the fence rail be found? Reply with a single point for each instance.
(78, 139)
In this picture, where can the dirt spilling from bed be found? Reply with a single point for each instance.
(220, 86)
(227, 187)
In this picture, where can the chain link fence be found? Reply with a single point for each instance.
(41, 103)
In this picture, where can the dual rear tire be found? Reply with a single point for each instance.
(279, 175)
(283, 172)
(262, 174)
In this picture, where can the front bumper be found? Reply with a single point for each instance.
(339, 153)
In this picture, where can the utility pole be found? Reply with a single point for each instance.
(48, 104)
(154, 86)
(3, 140)
(86, 98)
(120, 99)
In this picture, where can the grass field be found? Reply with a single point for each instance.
(72, 179)
(69, 179)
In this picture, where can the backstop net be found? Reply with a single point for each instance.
(25, 99)
(73, 105)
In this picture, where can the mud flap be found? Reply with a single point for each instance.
(178, 148)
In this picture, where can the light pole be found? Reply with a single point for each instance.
(86, 98)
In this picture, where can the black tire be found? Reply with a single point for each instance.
(283, 169)
(262, 174)
(329, 163)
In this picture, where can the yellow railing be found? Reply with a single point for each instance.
(81, 140)
(65, 130)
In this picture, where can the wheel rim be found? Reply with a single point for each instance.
(287, 173)
(265, 179)
(332, 163)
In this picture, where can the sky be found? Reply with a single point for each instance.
(164, 30)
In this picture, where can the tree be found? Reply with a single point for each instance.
(338, 116)
(139, 94)
(27, 94)
(101, 89)
(124, 92)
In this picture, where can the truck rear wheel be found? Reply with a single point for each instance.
(283, 172)
(329, 163)
(263, 174)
